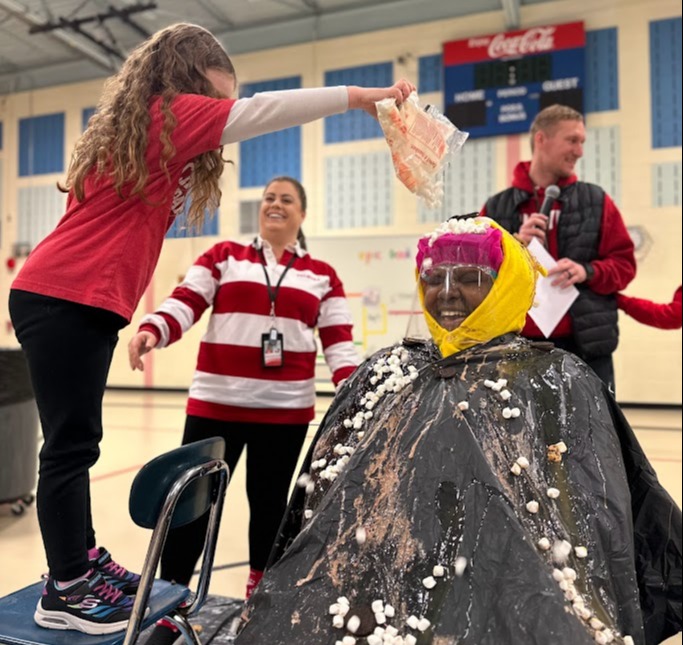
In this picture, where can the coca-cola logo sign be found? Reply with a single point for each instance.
(532, 41)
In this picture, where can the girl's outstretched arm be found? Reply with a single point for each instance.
(271, 111)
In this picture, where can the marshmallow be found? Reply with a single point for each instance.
(543, 544)
(423, 624)
(460, 565)
(581, 552)
(303, 480)
(523, 462)
(352, 624)
(429, 582)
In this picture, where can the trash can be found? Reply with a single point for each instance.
(19, 431)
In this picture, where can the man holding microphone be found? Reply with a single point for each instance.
(582, 229)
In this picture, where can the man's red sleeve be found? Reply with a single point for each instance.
(615, 265)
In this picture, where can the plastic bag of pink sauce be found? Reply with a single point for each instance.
(421, 140)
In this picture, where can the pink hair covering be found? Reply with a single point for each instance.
(480, 249)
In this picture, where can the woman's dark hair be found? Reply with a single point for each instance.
(301, 239)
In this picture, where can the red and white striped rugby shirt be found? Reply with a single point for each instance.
(230, 382)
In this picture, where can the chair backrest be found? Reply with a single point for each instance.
(173, 489)
(155, 479)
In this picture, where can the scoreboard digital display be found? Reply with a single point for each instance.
(496, 84)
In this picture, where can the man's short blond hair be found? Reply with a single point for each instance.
(549, 117)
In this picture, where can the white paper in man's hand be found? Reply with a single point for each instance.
(551, 303)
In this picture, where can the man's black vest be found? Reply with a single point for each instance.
(594, 317)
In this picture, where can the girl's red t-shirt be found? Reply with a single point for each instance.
(105, 248)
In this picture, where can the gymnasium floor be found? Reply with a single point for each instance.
(139, 426)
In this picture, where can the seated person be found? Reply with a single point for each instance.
(473, 487)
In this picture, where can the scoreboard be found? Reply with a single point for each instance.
(497, 84)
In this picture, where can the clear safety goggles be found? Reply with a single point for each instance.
(453, 276)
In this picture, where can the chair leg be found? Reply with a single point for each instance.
(181, 622)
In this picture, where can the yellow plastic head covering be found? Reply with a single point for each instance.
(505, 307)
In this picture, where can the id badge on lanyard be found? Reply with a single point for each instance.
(272, 343)
(272, 349)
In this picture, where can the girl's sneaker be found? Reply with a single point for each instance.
(89, 605)
(116, 575)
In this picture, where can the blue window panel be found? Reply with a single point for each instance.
(41, 145)
(85, 117)
(356, 125)
(180, 229)
(430, 78)
(665, 82)
(602, 70)
(273, 154)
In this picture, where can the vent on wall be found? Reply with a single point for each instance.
(666, 184)
(601, 161)
(39, 210)
(468, 182)
(249, 210)
(359, 190)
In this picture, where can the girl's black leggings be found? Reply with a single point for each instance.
(69, 348)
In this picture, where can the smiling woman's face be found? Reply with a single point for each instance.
(281, 213)
(451, 293)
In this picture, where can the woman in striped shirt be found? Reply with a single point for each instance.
(254, 383)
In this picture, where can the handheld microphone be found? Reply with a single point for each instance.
(552, 192)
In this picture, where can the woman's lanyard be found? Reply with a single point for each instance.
(272, 343)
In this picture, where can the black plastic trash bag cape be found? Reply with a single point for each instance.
(427, 483)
